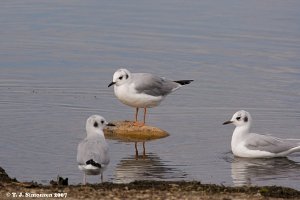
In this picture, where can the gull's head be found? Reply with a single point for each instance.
(120, 77)
(240, 118)
(96, 123)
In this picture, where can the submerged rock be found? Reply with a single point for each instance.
(125, 130)
(60, 181)
(4, 177)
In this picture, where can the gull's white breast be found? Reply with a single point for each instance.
(241, 150)
(91, 170)
(129, 96)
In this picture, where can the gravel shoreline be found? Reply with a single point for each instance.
(12, 189)
(143, 190)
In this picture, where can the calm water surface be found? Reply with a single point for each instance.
(57, 58)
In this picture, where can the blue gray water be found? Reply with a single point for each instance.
(57, 58)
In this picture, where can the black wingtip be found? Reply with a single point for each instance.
(184, 82)
(93, 163)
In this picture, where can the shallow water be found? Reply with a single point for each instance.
(57, 58)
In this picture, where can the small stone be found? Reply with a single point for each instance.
(126, 131)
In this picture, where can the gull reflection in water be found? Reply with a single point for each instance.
(244, 171)
(137, 151)
(149, 167)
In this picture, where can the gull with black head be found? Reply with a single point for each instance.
(143, 90)
(253, 145)
(92, 152)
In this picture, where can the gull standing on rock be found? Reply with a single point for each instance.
(142, 90)
(252, 145)
(92, 152)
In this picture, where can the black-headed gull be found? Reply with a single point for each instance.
(92, 152)
(142, 90)
(253, 145)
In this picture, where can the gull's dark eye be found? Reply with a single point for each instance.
(102, 121)
(95, 124)
(121, 77)
(127, 76)
(245, 119)
(238, 118)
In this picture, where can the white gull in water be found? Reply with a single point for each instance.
(92, 152)
(253, 145)
(142, 90)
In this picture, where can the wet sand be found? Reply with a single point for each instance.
(12, 189)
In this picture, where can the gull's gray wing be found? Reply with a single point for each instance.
(95, 149)
(270, 143)
(153, 85)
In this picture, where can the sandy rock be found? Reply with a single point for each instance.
(126, 131)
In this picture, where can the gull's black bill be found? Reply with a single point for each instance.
(228, 122)
(112, 83)
(110, 124)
